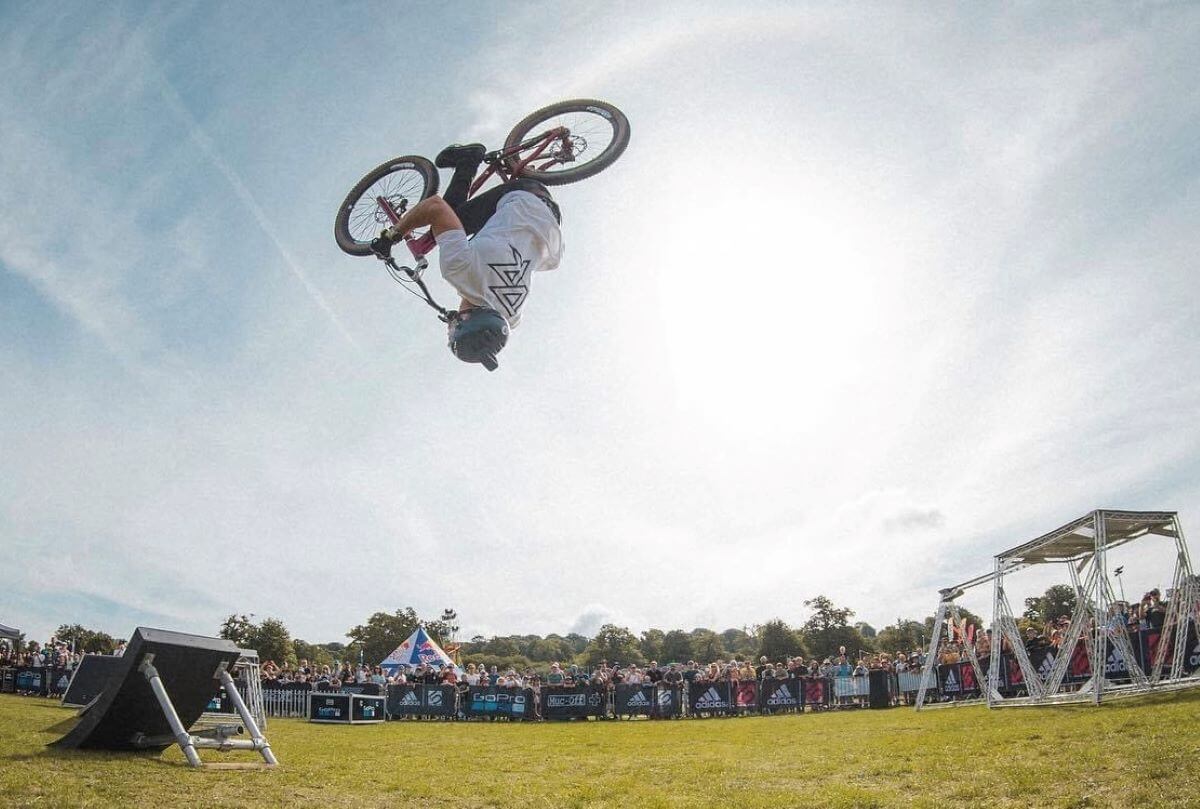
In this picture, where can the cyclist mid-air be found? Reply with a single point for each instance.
(492, 241)
(515, 230)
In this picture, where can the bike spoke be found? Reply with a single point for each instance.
(590, 135)
(367, 218)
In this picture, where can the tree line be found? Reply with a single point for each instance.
(827, 628)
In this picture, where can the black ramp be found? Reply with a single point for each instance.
(89, 678)
(127, 708)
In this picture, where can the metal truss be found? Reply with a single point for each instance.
(1082, 546)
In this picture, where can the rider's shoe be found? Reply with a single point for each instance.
(457, 155)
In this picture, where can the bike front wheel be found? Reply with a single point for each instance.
(402, 181)
(597, 134)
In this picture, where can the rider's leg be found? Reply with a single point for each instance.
(475, 212)
(433, 211)
(465, 161)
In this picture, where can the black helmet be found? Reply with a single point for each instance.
(477, 335)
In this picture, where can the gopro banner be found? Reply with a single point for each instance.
(779, 695)
(422, 700)
(515, 703)
(710, 698)
(561, 702)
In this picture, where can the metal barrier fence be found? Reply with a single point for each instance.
(844, 692)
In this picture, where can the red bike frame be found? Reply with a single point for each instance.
(507, 163)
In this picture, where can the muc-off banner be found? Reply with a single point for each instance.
(647, 700)
(8, 680)
(710, 698)
(745, 695)
(421, 700)
(516, 703)
(816, 691)
(780, 695)
(560, 702)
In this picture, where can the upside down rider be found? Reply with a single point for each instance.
(515, 230)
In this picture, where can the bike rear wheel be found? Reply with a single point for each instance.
(598, 133)
(402, 181)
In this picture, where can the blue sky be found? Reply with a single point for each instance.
(874, 294)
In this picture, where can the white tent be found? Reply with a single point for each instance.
(419, 649)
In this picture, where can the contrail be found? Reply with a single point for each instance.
(243, 193)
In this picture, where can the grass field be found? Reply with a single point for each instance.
(1131, 753)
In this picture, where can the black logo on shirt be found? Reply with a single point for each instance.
(511, 294)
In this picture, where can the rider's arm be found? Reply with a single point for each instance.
(431, 211)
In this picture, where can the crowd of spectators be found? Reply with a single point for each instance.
(1147, 615)
(55, 654)
(322, 677)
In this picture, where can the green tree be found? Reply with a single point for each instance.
(314, 654)
(828, 629)
(502, 647)
(707, 646)
(1057, 602)
(865, 629)
(903, 636)
(739, 643)
(651, 644)
(676, 647)
(238, 628)
(86, 640)
(271, 640)
(613, 643)
(576, 641)
(778, 641)
(383, 632)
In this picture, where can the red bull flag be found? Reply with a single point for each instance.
(418, 650)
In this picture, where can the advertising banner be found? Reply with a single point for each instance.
(709, 698)
(563, 702)
(422, 700)
(816, 691)
(634, 700)
(515, 703)
(745, 695)
(780, 695)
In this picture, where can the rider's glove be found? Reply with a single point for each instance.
(382, 246)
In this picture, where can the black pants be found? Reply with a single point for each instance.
(476, 211)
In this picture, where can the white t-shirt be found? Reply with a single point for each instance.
(495, 268)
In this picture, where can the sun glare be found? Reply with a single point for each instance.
(770, 312)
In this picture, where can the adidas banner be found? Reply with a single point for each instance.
(515, 703)
(561, 702)
(647, 700)
(710, 698)
(634, 700)
(780, 695)
(422, 700)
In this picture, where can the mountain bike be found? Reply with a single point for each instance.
(562, 143)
